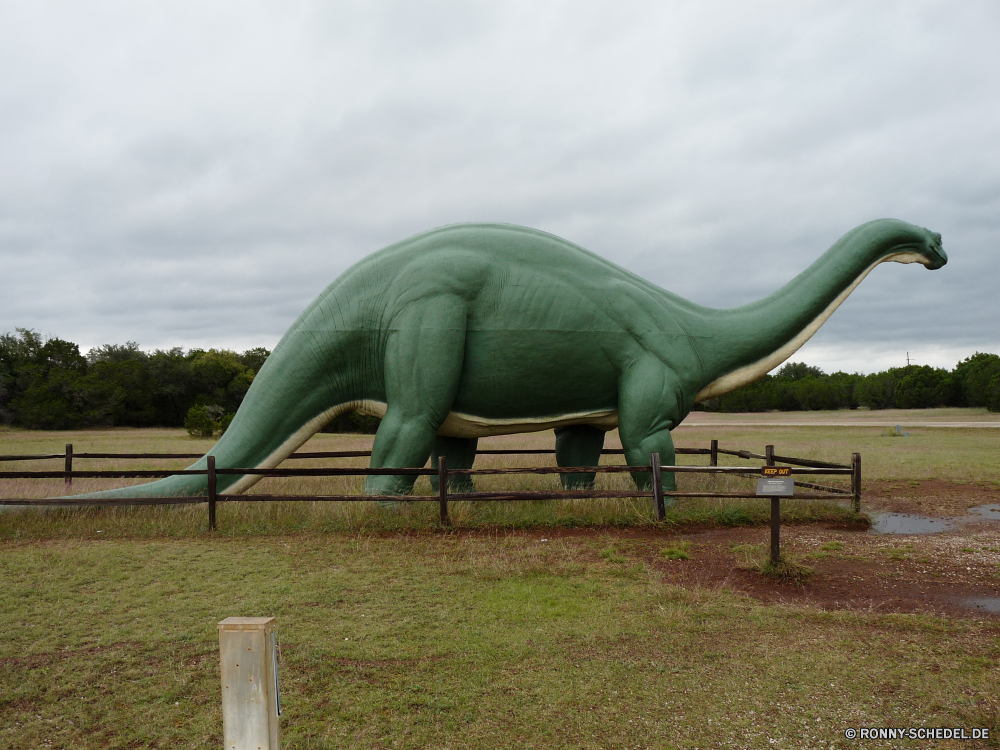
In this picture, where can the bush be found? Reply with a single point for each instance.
(199, 422)
(353, 422)
(206, 420)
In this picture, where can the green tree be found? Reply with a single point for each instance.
(221, 378)
(877, 391)
(253, 359)
(119, 388)
(48, 387)
(16, 351)
(992, 395)
(761, 395)
(923, 387)
(353, 422)
(119, 393)
(127, 352)
(973, 376)
(798, 371)
(845, 384)
(178, 387)
(815, 393)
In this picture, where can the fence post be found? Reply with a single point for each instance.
(856, 482)
(713, 459)
(443, 489)
(775, 514)
(69, 464)
(658, 507)
(251, 702)
(211, 493)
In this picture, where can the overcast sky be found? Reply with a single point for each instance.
(194, 174)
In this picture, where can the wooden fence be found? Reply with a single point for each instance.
(803, 468)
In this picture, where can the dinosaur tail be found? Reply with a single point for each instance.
(300, 388)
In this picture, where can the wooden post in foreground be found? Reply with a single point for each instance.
(250, 701)
(211, 492)
(856, 482)
(443, 489)
(713, 459)
(69, 464)
(658, 508)
(775, 514)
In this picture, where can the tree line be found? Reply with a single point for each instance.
(975, 381)
(48, 384)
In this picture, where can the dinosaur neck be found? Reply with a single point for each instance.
(752, 340)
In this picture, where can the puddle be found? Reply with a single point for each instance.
(907, 523)
(985, 604)
(992, 512)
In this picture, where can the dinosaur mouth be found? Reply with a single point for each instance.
(936, 256)
(930, 255)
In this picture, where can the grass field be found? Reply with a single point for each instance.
(555, 625)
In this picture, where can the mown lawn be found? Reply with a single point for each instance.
(433, 640)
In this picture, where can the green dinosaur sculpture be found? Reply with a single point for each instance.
(488, 329)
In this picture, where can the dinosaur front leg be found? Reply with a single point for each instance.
(648, 401)
(460, 453)
(578, 445)
(423, 366)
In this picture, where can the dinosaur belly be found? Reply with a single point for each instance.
(457, 424)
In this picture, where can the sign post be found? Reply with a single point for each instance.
(776, 482)
(250, 701)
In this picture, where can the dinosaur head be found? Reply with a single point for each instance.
(936, 256)
(919, 245)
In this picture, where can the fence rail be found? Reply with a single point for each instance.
(320, 454)
(802, 466)
(799, 467)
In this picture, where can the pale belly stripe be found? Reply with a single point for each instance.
(455, 424)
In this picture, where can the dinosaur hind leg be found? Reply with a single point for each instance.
(578, 445)
(423, 366)
(460, 453)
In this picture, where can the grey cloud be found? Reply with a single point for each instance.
(195, 175)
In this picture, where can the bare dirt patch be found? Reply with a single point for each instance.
(937, 573)
(853, 570)
(930, 497)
